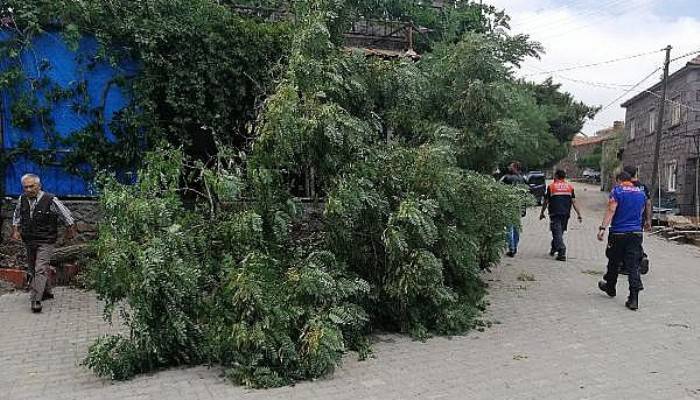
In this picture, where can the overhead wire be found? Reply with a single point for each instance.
(564, 5)
(658, 96)
(596, 64)
(571, 18)
(692, 53)
(589, 24)
(631, 89)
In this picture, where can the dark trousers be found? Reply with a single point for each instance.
(558, 225)
(625, 248)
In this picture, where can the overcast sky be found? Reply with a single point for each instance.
(578, 32)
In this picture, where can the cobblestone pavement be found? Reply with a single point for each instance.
(554, 337)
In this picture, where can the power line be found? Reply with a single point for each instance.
(567, 5)
(630, 89)
(595, 64)
(570, 14)
(672, 101)
(593, 22)
(604, 10)
(602, 85)
(686, 55)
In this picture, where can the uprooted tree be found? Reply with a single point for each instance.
(209, 257)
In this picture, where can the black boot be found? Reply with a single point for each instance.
(609, 290)
(633, 301)
(36, 306)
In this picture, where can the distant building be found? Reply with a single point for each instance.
(585, 152)
(680, 142)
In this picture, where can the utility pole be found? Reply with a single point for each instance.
(655, 187)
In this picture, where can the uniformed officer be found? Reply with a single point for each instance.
(35, 222)
(626, 206)
(559, 199)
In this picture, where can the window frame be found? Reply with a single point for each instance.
(672, 178)
(633, 128)
(676, 111)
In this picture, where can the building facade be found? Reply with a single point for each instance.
(585, 150)
(680, 140)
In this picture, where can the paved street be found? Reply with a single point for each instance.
(554, 337)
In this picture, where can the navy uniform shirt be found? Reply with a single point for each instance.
(560, 195)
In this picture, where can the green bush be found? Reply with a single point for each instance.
(240, 275)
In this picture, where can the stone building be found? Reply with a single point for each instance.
(680, 142)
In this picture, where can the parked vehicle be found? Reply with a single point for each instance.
(536, 181)
(591, 175)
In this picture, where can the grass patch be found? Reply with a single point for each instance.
(526, 277)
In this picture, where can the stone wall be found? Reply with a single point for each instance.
(12, 255)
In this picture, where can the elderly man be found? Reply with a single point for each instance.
(35, 222)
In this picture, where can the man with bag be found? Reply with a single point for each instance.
(624, 213)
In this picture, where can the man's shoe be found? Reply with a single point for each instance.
(36, 306)
(610, 291)
(47, 296)
(561, 258)
(632, 301)
(644, 265)
(510, 253)
(552, 252)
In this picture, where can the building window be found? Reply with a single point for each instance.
(672, 175)
(633, 128)
(652, 121)
(676, 111)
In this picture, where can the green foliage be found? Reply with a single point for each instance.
(145, 257)
(244, 277)
(592, 160)
(565, 115)
(610, 161)
(238, 292)
(203, 71)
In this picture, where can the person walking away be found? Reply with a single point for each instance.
(558, 200)
(35, 222)
(513, 177)
(624, 212)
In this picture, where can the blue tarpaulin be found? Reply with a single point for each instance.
(50, 56)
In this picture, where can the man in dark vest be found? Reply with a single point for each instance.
(559, 199)
(35, 222)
